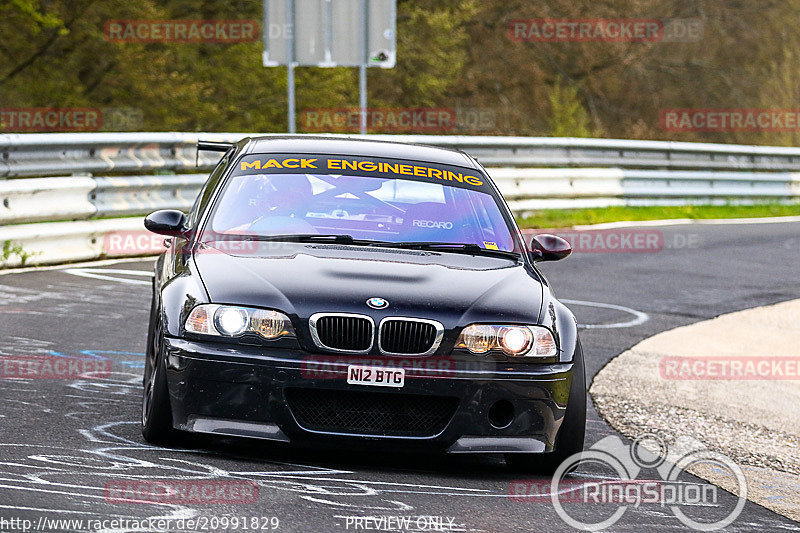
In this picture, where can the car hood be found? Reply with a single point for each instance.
(303, 279)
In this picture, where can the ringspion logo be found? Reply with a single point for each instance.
(597, 503)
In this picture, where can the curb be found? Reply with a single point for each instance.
(753, 421)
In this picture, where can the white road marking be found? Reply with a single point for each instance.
(99, 273)
(640, 317)
(82, 264)
(397, 507)
(45, 510)
(120, 271)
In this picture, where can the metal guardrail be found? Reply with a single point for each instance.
(139, 195)
(52, 154)
(554, 151)
(50, 181)
(47, 154)
(85, 197)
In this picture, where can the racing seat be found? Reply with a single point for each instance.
(433, 221)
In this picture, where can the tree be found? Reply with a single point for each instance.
(569, 118)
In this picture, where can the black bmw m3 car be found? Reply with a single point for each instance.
(344, 293)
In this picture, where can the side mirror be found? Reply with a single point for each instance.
(169, 222)
(546, 247)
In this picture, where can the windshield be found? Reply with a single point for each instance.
(371, 201)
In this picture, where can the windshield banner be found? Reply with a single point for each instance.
(359, 166)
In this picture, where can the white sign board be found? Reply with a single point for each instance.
(328, 33)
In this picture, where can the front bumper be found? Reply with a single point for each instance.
(242, 391)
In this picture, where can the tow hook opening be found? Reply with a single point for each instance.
(501, 414)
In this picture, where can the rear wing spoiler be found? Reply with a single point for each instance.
(212, 146)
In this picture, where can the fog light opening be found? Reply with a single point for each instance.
(501, 414)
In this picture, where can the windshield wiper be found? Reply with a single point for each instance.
(454, 247)
(309, 237)
(343, 238)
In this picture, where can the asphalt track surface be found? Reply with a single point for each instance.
(63, 440)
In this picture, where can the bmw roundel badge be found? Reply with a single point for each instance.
(377, 303)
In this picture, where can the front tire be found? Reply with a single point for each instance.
(156, 412)
(571, 434)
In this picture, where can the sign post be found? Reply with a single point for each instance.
(362, 68)
(329, 33)
(290, 64)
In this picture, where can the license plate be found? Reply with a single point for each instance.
(376, 376)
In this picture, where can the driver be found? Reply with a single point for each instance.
(277, 204)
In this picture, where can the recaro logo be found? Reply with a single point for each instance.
(432, 224)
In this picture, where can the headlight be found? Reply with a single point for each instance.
(516, 341)
(234, 321)
(478, 338)
(231, 321)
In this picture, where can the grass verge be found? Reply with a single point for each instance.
(561, 218)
